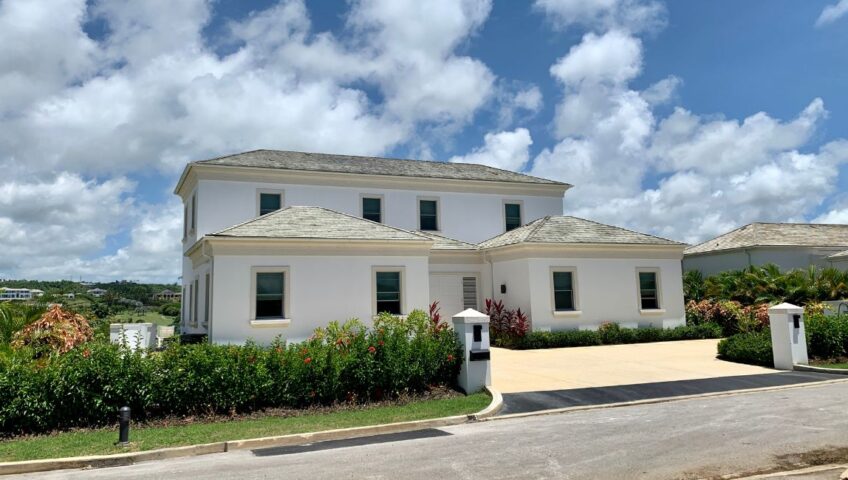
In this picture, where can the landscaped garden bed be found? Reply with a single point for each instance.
(58, 376)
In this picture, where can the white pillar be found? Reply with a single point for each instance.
(472, 329)
(788, 339)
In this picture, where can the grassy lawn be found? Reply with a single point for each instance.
(831, 365)
(99, 442)
(147, 317)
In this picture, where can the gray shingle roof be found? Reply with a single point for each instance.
(316, 223)
(776, 235)
(565, 229)
(324, 162)
(445, 243)
(843, 255)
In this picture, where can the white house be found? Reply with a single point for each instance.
(96, 292)
(19, 293)
(787, 245)
(279, 243)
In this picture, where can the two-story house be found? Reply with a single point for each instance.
(279, 243)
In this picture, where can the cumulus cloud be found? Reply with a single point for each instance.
(154, 93)
(632, 15)
(505, 150)
(832, 13)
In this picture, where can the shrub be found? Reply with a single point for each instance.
(57, 331)
(14, 317)
(827, 336)
(750, 347)
(611, 334)
(505, 326)
(339, 363)
(730, 315)
(170, 309)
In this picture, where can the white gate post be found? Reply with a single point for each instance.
(788, 338)
(472, 330)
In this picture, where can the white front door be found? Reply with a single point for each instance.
(454, 291)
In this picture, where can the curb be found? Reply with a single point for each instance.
(126, 459)
(810, 368)
(650, 401)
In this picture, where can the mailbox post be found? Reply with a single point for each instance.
(472, 329)
(788, 338)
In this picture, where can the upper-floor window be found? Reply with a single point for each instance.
(372, 208)
(428, 214)
(512, 215)
(269, 201)
(649, 295)
(193, 212)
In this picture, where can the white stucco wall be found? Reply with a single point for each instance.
(787, 258)
(606, 291)
(222, 204)
(321, 289)
(478, 270)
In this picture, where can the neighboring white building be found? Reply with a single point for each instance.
(839, 260)
(787, 245)
(279, 243)
(19, 293)
(97, 292)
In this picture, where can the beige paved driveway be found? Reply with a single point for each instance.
(580, 367)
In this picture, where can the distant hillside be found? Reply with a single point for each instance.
(142, 292)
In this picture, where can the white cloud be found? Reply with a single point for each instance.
(662, 91)
(832, 13)
(505, 150)
(631, 15)
(154, 94)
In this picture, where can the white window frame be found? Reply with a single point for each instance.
(271, 322)
(575, 292)
(438, 201)
(388, 268)
(260, 191)
(377, 196)
(649, 311)
(520, 204)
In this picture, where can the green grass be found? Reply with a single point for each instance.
(831, 365)
(146, 317)
(100, 442)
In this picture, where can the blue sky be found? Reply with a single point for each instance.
(679, 118)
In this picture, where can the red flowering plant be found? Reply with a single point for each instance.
(436, 322)
(505, 326)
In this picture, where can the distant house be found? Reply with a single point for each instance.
(97, 292)
(69, 295)
(168, 296)
(8, 294)
(787, 245)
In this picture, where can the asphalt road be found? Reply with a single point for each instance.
(683, 439)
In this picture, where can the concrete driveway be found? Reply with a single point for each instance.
(601, 366)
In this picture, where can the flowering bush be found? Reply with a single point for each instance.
(340, 363)
(730, 315)
(505, 326)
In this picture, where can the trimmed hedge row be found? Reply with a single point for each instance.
(612, 334)
(827, 337)
(342, 363)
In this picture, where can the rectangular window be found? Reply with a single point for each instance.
(185, 221)
(388, 292)
(196, 291)
(372, 209)
(563, 291)
(270, 288)
(187, 305)
(648, 292)
(269, 202)
(206, 299)
(428, 215)
(512, 216)
(193, 212)
(469, 292)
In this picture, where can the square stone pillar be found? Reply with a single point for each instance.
(472, 330)
(788, 338)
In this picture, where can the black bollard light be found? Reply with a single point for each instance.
(124, 429)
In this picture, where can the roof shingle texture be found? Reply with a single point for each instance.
(324, 162)
(445, 243)
(316, 223)
(565, 229)
(776, 235)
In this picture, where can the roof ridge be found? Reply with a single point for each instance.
(623, 228)
(721, 235)
(251, 220)
(363, 219)
(541, 221)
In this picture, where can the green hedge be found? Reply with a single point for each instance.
(611, 334)
(348, 363)
(752, 347)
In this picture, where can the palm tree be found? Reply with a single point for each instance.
(14, 317)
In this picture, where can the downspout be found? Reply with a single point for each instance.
(748, 253)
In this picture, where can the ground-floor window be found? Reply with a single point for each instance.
(649, 298)
(563, 290)
(388, 291)
(269, 293)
